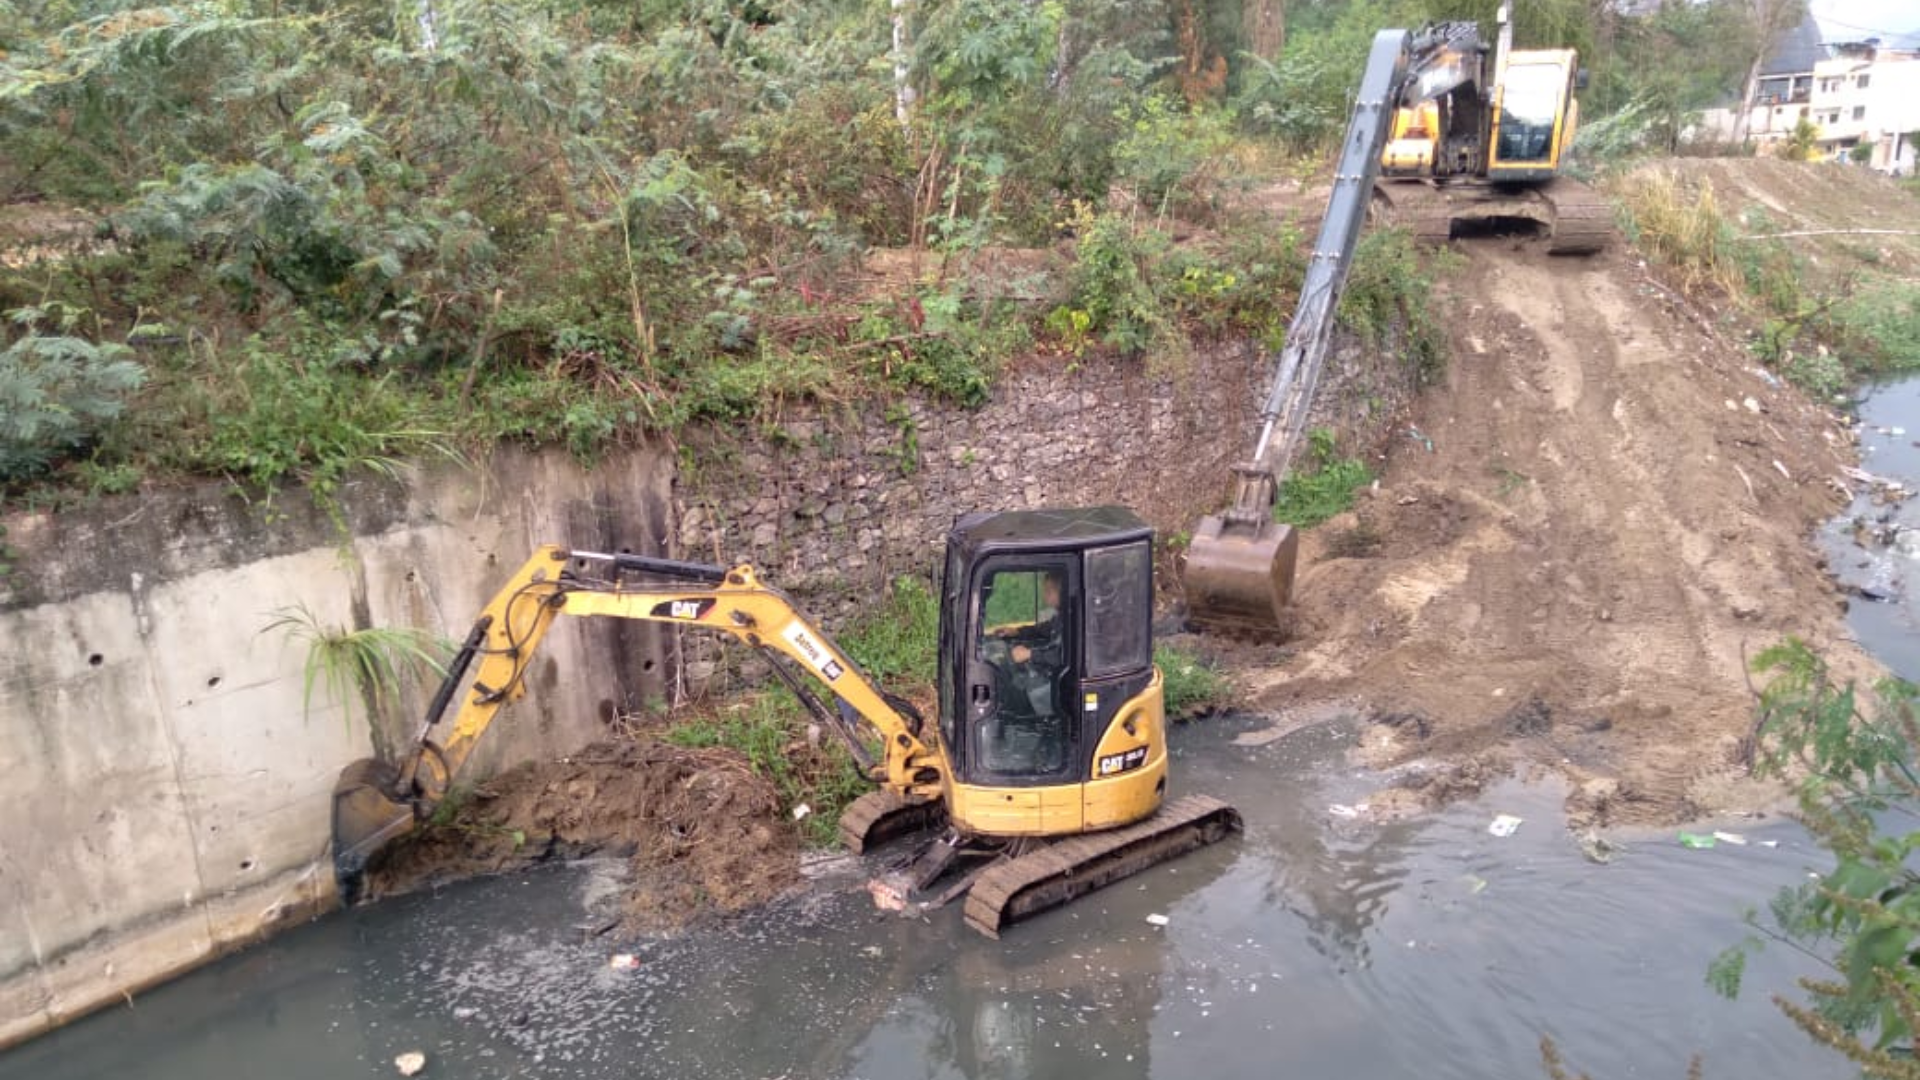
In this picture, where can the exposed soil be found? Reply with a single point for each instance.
(1575, 545)
(704, 832)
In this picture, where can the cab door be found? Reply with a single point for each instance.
(1022, 672)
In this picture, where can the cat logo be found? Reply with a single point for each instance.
(682, 609)
(1114, 764)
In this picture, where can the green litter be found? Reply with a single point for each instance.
(1695, 840)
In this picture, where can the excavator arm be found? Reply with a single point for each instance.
(376, 802)
(1240, 563)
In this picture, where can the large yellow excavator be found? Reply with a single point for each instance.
(1048, 762)
(1441, 135)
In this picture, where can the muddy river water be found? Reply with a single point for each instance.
(1315, 945)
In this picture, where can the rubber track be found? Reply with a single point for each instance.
(1070, 868)
(1582, 218)
(879, 816)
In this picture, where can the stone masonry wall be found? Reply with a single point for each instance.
(830, 505)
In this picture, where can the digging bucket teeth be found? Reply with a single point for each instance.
(1239, 576)
(366, 818)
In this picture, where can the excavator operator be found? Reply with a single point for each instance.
(1041, 643)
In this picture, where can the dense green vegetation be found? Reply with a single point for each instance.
(1324, 487)
(280, 240)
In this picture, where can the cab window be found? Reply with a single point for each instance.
(1528, 104)
(1119, 598)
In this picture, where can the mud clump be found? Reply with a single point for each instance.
(703, 831)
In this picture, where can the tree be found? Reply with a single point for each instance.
(1680, 66)
(1761, 26)
(1264, 24)
(1799, 145)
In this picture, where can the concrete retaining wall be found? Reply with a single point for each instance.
(166, 796)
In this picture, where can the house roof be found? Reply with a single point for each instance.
(1798, 50)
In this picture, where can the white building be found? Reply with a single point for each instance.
(1868, 96)
(1782, 95)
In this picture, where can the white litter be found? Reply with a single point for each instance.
(1733, 838)
(410, 1063)
(1341, 810)
(1157, 919)
(623, 961)
(1505, 825)
(1769, 843)
(800, 812)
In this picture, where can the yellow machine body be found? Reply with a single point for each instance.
(1052, 726)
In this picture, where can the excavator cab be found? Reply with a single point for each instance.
(1051, 714)
(1535, 116)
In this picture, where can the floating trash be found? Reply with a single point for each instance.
(1505, 825)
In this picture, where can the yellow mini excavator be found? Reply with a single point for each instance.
(1441, 135)
(1046, 769)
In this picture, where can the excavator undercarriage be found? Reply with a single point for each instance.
(1571, 217)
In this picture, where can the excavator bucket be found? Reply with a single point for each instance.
(366, 817)
(1240, 563)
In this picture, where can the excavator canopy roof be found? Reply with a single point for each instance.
(976, 535)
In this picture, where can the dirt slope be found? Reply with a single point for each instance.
(1571, 575)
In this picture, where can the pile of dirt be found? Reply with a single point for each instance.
(703, 830)
(1576, 544)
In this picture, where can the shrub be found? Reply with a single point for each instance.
(1190, 684)
(1110, 281)
(1168, 148)
(55, 394)
(1325, 489)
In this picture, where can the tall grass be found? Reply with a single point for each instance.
(368, 664)
(1820, 330)
(899, 639)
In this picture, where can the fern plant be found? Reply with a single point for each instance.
(55, 394)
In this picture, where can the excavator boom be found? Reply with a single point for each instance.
(1240, 563)
(374, 803)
